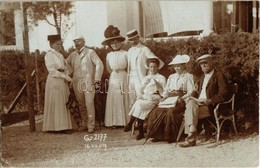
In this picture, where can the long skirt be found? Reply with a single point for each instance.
(170, 124)
(56, 116)
(117, 104)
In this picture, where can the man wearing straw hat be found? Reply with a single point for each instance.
(213, 88)
(87, 69)
(137, 56)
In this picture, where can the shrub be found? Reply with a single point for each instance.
(237, 54)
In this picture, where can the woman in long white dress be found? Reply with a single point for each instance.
(117, 101)
(151, 90)
(56, 115)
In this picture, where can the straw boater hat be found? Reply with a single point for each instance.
(53, 38)
(132, 34)
(180, 59)
(204, 58)
(112, 33)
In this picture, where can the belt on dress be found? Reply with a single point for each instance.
(117, 70)
(177, 93)
(157, 93)
(60, 70)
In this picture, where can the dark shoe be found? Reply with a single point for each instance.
(113, 127)
(127, 128)
(187, 144)
(139, 136)
(170, 141)
(66, 132)
(191, 137)
(83, 128)
(155, 140)
(141, 130)
(90, 131)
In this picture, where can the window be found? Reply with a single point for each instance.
(7, 28)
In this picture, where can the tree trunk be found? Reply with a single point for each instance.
(55, 17)
(28, 72)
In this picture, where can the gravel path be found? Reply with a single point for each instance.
(38, 149)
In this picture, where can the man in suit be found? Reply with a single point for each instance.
(213, 88)
(137, 56)
(87, 69)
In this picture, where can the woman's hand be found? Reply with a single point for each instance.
(180, 100)
(163, 98)
(147, 81)
(155, 97)
(67, 78)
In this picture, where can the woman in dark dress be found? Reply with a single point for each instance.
(179, 84)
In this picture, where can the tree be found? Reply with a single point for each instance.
(41, 11)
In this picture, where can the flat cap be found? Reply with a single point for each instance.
(78, 37)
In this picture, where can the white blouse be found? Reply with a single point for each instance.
(54, 62)
(116, 61)
(151, 87)
(179, 82)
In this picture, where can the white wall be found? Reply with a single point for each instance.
(124, 15)
(187, 15)
(91, 18)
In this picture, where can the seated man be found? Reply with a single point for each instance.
(213, 88)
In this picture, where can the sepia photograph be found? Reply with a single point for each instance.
(129, 83)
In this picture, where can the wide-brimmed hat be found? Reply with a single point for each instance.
(132, 34)
(112, 33)
(53, 38)
(150, 58)
(77, 37)
(204, 58)
(180, 59)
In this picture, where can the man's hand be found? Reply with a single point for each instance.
(206, 102)
(97, 85)
(68, 79)
(96, 82)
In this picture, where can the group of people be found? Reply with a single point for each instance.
(135, 88)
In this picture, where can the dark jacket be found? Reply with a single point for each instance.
(218, 89)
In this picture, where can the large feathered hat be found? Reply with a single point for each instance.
(112, 33)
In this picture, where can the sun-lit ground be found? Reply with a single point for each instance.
(22, 148)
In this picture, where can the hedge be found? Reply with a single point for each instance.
(236, 54)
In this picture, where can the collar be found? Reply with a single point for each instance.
(152, 74)
(137, 45)
(82, 48)
(210, 73)
(182, 74)
(55, 52)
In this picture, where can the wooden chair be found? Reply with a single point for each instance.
(220, 115)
